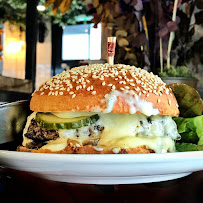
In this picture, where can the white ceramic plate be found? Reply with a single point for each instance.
(105, 169)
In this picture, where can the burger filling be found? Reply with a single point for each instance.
(103, 131)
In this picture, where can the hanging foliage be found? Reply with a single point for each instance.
(143, 25)
(13, 11)
(62, 12)
(61, 5)
(77, 8)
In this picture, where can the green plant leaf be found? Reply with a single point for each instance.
(190, 103)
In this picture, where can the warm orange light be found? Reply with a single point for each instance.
(21, 43)
(14, 47)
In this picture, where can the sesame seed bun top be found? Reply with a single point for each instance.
(105, 88)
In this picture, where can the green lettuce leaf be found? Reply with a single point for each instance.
(190, 129)
(183, 147)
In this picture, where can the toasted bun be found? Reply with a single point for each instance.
(88, 149)
(86, 88)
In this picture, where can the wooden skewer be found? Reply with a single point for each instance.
(111, 49)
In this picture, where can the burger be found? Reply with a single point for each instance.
(102, 109)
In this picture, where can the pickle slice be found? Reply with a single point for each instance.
(50, 121)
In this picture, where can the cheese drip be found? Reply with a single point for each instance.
(123, 131)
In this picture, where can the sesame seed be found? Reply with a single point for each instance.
(61, 93)
(169, 101)
(73, 96)
(132, 84)
(49, 93)
(41, 93)
(88, 89)
(139, 94)
(94, 92)
(110, 85)
(147, 95)
(56, 93)
(159, 100)
(94, 76)
(127, 87)
(103, 83)
(113, 87)
(122, 88)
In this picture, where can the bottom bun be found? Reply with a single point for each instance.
(88, 149)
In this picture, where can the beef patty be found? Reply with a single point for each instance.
(37, 133)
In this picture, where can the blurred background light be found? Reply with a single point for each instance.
(40, 7)
(14, 47)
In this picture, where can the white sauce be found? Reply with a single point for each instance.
(99, 149)
(135, 103)
(116, 150)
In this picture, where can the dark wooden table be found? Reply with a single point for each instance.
(17, 186)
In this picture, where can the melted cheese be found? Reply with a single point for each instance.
(123, 131)
(56, 145)
(72, 114)
(29, 118)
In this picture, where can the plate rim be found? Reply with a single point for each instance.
(107, 158)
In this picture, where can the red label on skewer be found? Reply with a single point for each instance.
(111, 48)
